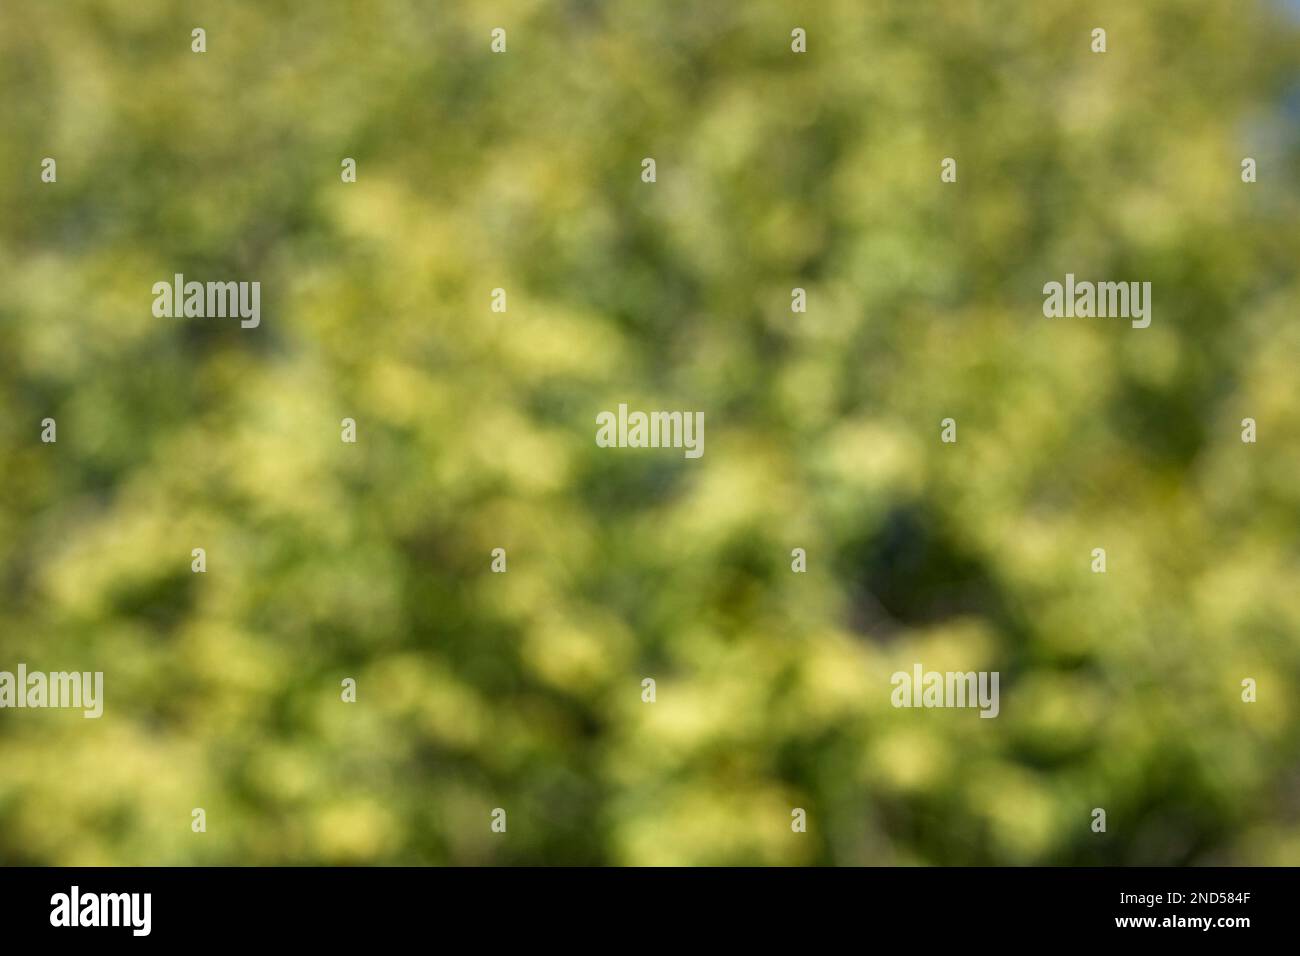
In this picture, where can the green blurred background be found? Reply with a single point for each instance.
(476, 430)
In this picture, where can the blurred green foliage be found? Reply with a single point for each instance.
(476, 431)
